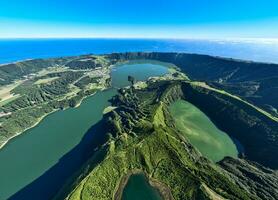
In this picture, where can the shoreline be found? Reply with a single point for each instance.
(20, 133)
(123, 181)
(16, 62)
(41, 118)
(81, 101)
(54, 110)
(163, 190)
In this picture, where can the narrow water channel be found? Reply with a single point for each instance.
(26, 159)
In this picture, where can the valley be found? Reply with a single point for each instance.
(166, 118)
(62, 130)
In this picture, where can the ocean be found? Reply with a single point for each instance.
(12, 50)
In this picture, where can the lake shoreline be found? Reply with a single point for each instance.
(20, 133)
(162, 189)
(66, 131)
(120, 63)
(42, 117)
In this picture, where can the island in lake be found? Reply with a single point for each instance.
(138, 125)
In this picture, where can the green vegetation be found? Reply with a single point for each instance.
(88, 62)
(257, 132)
(8, 100)
(204, 85)
(85, 81)
(5, 93)
(14, 71)
(255, 82)
(44, 86)
(142, 136)
(46, 80)
(32, 94)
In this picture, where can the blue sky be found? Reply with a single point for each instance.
(142, 18)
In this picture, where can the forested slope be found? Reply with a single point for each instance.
(256, 82)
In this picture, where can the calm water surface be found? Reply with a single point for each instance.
(29, 155)
(138, 188)
(201, 132)
(141, 71)
(20, 49)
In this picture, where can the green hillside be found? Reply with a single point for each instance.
(142, 137)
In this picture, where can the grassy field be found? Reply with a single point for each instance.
(45, 80)
(109, 109)
(8, 100)
(6, 95)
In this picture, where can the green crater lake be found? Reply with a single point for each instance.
(28, 156)
(201, 132)
(138, 188)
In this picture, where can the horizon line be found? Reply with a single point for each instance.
(151, 38)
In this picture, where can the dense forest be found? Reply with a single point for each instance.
(141, 137)
(47, 85)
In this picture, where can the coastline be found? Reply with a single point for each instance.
(16, 62)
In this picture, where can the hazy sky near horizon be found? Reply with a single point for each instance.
(139, 19)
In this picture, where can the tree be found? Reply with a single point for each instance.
(131, 79)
